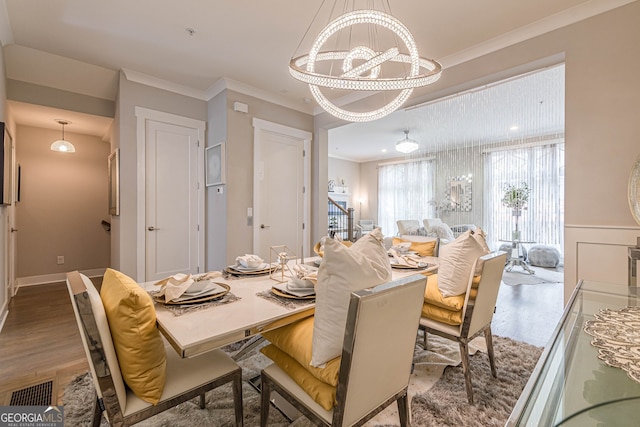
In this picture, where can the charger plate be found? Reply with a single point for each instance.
(290, 296)
(204, 298)
(246, 272)
(408, 267)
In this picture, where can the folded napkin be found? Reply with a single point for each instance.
(304, 273)
(401, 247)
(249, 260)
(174, 286)
(400, 260)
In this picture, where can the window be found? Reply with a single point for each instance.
(541, 167)
(405, 190)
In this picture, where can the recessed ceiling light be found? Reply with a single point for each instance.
(514, 127)
(384, 150)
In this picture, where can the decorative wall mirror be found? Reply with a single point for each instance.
(459, 190)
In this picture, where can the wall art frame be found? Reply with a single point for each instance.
(215, 168)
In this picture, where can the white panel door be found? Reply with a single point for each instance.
(280, 200)
(171, 200)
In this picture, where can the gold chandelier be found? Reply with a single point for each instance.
(363, 50)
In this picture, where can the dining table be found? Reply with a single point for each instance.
(251, 310)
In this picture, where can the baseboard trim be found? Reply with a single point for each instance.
(55, 277)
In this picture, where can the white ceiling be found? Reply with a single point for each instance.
(244, 41)
(523, 107)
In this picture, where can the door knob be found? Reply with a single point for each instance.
(152, 228)
(264, 226)
(13, 229)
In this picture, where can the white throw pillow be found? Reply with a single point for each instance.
(344, 270)
(481, 238)
(443, 231)
(455, 263)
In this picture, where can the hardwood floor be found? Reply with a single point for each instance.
(40, 339)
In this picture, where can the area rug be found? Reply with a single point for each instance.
(437, 392)
(518, 276)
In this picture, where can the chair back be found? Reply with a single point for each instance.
(97, 342)
(366, 224)
(408, 226)
(479, 311)
(378, 347)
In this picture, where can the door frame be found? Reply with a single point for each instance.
(142, 115)
(259, 126)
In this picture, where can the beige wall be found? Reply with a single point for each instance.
(349, 172)
(131, 95)
(239, 187)
(63, 199)
(216, 202)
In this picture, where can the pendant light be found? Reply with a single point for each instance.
(406, 145)
(61, 145)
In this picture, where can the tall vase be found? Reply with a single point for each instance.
(515, 235)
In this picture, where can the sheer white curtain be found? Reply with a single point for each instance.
(542, 168)
(404, 192)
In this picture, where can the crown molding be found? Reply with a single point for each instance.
(562, 19)
(236, 86)
(149, 80)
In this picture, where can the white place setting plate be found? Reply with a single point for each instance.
(211, 292)
(289, 290)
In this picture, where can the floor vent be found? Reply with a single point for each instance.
(36, 395)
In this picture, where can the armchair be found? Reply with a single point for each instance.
(408, 226)
(474, 316)
(363, 227)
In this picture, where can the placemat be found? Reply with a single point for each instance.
(285, 302)
(617, 336)
(179, 310)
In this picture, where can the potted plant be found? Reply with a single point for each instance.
(515, 198)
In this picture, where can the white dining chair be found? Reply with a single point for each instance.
(185, 378)
(376, 363)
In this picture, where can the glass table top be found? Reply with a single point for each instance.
(571, 386)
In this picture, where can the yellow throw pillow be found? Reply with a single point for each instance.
(319, 391)
(139, 346)
(421, 248)
(433, 296)
(295, 340)
(443, 315)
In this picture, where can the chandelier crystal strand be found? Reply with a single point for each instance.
(366, 76)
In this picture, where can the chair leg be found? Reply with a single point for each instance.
(403, 410)
(202, 401)
(265, 394)
(424, 339)
(97, 413)
(489, 339)
(237, 398)
(464, 355)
